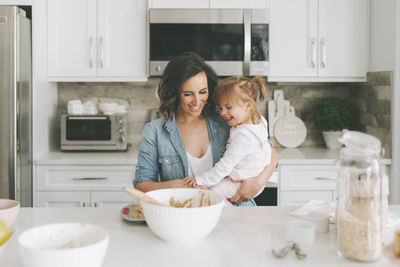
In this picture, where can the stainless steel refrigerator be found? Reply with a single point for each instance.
(15, 105)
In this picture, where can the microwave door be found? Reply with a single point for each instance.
(88, 131)
(217, 35)
(259, 46)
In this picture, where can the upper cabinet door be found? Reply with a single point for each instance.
(71, 26)
(121, 38)
(343, 38)
(293, 38)
(179, 3)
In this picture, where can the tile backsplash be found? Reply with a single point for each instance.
(373, 100)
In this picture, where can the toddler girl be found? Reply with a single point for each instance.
(247, 151)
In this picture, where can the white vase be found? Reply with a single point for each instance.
(332, 139)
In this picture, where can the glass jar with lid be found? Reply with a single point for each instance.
(360, 208)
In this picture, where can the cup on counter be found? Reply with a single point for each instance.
(320, 219)
(75, 107)
(300, 231)
(90, 107)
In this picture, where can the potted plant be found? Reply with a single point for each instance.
(331, 116)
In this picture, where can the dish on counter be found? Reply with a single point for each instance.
(133, 213)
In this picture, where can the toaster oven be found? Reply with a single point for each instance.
(94, 132)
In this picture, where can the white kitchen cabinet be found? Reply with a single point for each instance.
(225, 4)
(179, 3)
(82, 185)
(239, 4)
(62, 199)
(111, 199)
(96, 40)
(318, 40)
(300, 183)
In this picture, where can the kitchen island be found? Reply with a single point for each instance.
(243, 237)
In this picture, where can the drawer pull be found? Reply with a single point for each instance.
(89, 178)
(326, 178)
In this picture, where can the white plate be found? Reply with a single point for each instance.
(128, 217)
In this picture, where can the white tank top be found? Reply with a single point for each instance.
(200, 165)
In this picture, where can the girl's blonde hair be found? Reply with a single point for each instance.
(238, 90)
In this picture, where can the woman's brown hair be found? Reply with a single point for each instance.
(177, 72)
(238, 90)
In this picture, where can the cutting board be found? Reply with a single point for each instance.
(290, 131)
(276, 110)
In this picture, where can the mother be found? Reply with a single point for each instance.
(190, 128)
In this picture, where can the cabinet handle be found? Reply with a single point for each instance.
(101, 47)
(91, 52)
(323, 53)
(82, 204)
(89, 178)
(325, 178)
(95, 204)
(313, 52)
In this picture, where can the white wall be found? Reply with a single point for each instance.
(382, 35)
(44, 93)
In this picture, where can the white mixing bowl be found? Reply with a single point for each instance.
(63, 245)
(182, 225)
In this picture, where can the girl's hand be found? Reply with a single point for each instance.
(190, 181)
(248, 189)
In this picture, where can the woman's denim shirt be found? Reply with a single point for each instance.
(162, 155)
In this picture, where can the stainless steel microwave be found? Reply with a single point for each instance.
(232, 41)
(94, 132)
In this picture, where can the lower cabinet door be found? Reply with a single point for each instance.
(62, 199)
(111, 199)
(300, 198)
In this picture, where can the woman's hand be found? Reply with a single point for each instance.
(250, 187)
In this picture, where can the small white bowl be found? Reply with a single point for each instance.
(108, 108)
(182, 225)
(301, 232)
(63, 245)
(320, 219)
(9, 210)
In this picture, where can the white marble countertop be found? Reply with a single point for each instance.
(244, 236)
(306, 155)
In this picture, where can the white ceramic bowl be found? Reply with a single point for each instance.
(63, 245)
(182, 225)
(299, 231)
(108, 108)
(9, 210)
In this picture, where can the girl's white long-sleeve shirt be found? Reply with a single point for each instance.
(246, 155)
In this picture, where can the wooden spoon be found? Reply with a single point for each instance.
(140, 195)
